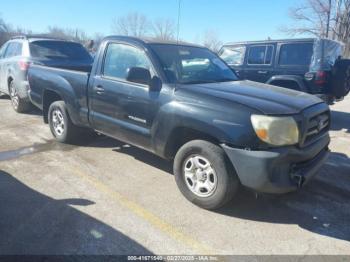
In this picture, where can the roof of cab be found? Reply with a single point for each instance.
(271, 41)
(149, 40)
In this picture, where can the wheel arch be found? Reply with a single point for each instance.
(49, 97)
(288, 81)
(10, 79)
(181, 135)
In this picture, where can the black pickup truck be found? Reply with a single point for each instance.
(182, 102)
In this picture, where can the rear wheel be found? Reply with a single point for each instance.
(19, 104)
(61, 125)
(204, 175)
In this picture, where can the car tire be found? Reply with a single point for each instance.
(205, 175)
(61, 126)
(340, 81)
(19, 104)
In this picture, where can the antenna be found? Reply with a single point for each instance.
(178, 21)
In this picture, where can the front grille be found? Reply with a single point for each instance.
(317, 122)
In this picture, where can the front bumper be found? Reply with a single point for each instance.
(280, 170)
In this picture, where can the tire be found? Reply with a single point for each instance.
(221, 183)
(61, 125)
(340, 81)
(19, 104)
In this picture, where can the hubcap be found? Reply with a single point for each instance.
(14, 95)
(58, 122)
(200, 176)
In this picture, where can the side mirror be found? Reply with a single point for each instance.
(139, 75)
(156, 84)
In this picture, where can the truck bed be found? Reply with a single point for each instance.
(73, 82)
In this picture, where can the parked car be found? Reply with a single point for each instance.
(313, 66)
(183, 102)
(18, 53)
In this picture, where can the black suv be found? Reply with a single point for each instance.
(313, 66)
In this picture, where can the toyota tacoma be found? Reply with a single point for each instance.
(182, 102)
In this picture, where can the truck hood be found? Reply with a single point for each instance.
(266, 98)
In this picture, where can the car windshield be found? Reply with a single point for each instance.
(59, 50)
(192, 65)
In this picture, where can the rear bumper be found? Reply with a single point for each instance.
(279, 170)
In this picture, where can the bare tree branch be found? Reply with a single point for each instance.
(211, 40)
(312, 19)
(133, 24)
(164, 29)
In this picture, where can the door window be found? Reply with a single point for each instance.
(260, 55)
(296, 54)
(120, 58)
(233, 55)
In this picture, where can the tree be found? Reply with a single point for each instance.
(313, 17)
(164, 29)
(322, 18)
(211, 40)
(67, 33)
(133, 24)
(4, 32)
(341, 29)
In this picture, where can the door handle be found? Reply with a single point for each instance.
(262, 72)
(99, 90)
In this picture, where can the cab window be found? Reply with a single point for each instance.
(120, 58)
(260, 55)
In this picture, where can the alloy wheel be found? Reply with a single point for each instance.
(14, 95)
(200, 176)
(58, 122)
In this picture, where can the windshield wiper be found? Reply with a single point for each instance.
(196, 82)
(225, 80)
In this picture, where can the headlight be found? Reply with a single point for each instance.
(277, 131)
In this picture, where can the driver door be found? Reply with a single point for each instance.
(123, 109)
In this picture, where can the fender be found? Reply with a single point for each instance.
(298, 79)
(231, 128)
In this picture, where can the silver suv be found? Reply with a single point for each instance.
(17, 54)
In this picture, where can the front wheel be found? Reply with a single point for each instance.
(204, 175)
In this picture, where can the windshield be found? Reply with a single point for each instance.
(192, 65)
(233, 55)
(59, 50)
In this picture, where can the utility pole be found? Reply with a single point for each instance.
(328, 16)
